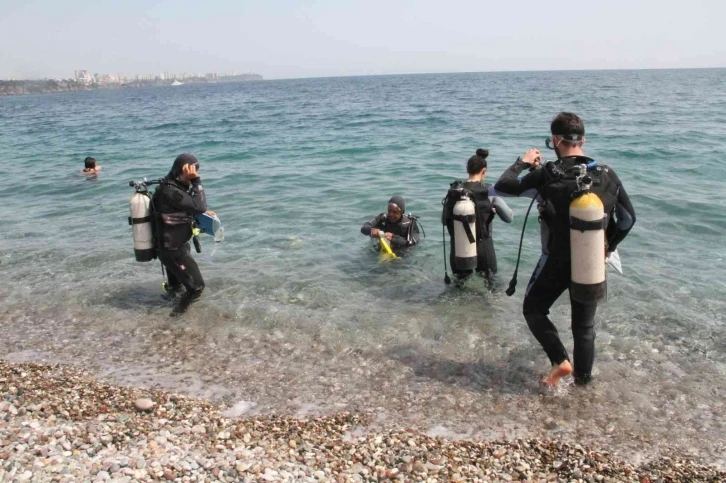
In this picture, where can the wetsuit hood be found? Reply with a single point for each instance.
(399, 201)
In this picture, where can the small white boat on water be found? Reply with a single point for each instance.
(177, 83)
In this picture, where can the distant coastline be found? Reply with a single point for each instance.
(48, 86)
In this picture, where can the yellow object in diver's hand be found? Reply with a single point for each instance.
(385, 247)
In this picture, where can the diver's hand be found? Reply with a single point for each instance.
(210, 213)
(374, 232)
(389, 236)
(190, 171)
(532, 157)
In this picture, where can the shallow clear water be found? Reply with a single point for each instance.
(297, 299)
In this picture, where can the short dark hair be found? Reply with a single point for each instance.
(477, 162)
(569, 126)
(89, 163)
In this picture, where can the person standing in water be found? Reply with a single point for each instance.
(555, 188)
(487, 205)
(399, 229)
(178, 198)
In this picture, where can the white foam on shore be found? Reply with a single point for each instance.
(240, 408)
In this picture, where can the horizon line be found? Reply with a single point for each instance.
(494, 72)
(431, 73)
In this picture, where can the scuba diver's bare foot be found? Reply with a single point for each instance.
(558, 372)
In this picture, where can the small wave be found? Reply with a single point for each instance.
(167, 125)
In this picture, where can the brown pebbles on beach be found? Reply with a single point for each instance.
(58, 423)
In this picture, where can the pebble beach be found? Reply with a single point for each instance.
(59, 423)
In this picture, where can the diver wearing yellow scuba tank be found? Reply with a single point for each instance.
(556, 187)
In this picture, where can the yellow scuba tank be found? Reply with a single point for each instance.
(587, 248)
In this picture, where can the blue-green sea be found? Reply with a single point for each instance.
(300, 316)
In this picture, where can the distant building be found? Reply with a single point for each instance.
(83, 76)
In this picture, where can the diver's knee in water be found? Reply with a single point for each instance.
(584, 333)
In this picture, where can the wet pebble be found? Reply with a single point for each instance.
(144, 404)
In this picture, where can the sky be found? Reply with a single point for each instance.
(288, 39)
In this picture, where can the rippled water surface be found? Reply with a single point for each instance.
(300, 316)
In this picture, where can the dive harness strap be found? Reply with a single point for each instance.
(583, 226)
(465, 220)
(447, 280)
(139, 221)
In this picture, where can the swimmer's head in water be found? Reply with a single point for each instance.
(89, 164)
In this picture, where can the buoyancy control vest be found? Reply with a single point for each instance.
(172, 229)
(580, 197)
(406, 227)
(562, 186)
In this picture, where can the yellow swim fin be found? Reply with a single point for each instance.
(386, 248)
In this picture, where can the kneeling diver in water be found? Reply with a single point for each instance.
(178, 198)
(399, 229)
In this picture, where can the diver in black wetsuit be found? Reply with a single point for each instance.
(178, 198)
(551, 184)
(400, 230)
(486, 205)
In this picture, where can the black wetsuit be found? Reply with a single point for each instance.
(551, 277)
(175, 206)
(486, 263)
(405, 230)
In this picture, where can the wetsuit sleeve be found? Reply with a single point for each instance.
(194, 201)
(510, 183)
(369, 225)
(502, 209)
(624, 217)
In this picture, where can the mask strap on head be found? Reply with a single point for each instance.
(568, 138)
